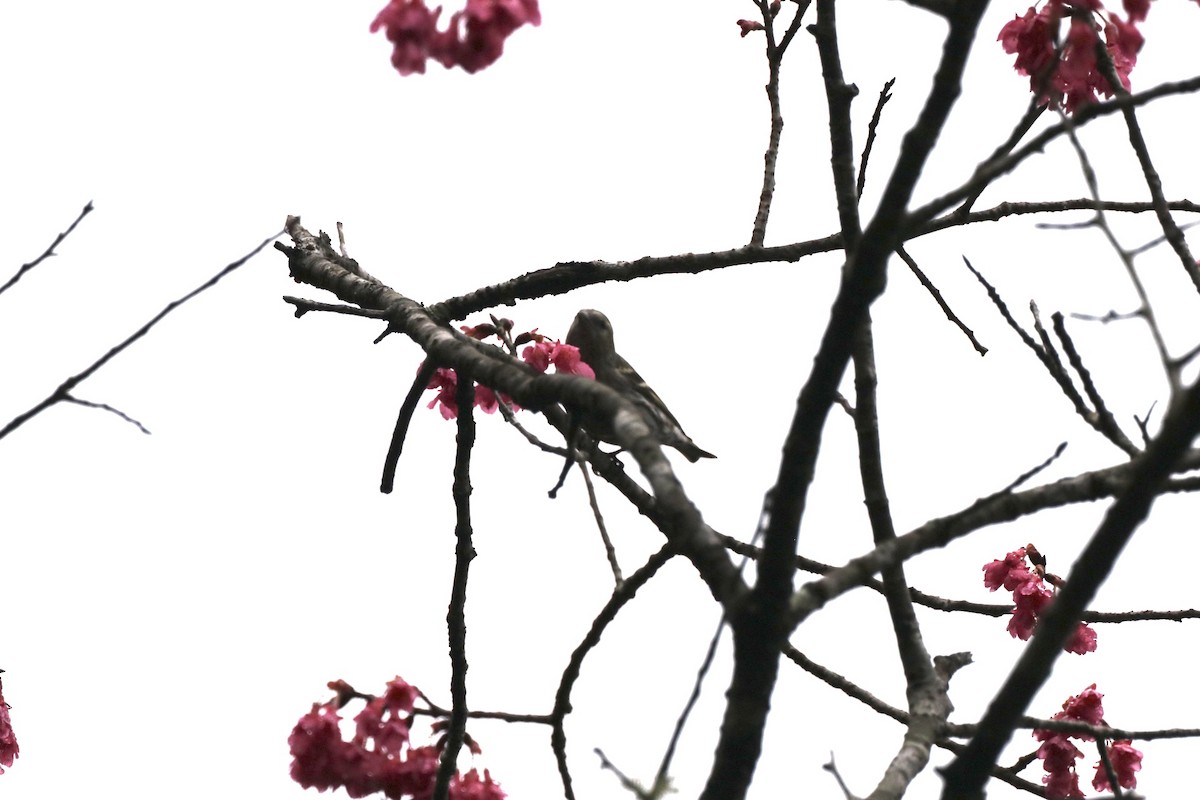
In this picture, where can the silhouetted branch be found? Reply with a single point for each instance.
(87, 209)
(63, 392)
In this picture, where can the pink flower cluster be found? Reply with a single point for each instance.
(1059, 754)
(748, 25)
(564, 357)
(8, 740)
(379, 757)
(1030, 595)
(473, 40)
(541, 355)
(445, 380)
(1071, 77)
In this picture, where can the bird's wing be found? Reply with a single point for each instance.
(643, 390)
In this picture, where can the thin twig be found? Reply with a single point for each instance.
(87, 209)
(885, 94)
(1032, 112)
(303, 306)
(1171, 369)
(1024, 477)
(1106, 423)
(1045, 351)
(63, 392)
(562, 698)
(710, 655)
(510, 417)
(937, 298)
(1111, 773)
(403, 419)
(1137, 141)
(609, 551)
(110, 409)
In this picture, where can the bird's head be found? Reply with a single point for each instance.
(592, 333)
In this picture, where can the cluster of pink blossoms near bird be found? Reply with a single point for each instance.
(379, 756)
(473, 39)
(541, 354)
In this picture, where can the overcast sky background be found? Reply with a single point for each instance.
(174, 602)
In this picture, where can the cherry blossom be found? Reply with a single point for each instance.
(1126, 762)
(1031, 596)
(1072, 77)
(379, 757)
(473, 39)
(8, 740)
(564, 357)
(748, 25)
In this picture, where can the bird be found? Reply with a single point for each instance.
(592, 333)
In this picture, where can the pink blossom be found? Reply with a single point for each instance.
(488, 24)
(382, 725)
(1077, 75)
(399, 695)
(997, 573)
(1058, 756)
(473, 39)
(379, 758)
(537, 355)
(486, 399)
(1082, 641)
(446, 382)
(1030, 598)
(1022, 624)
(316, 749)
(415, 775)
(565, 358)
(748, 25)
(410, 27)
(1031, 37)
(1085, 707)
(1126, 762)
(1137, 9)
(481, 331)
(9, 750)
(473, 787)
(1077, 78)
(1124, 41)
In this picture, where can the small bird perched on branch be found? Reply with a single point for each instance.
(592, 333)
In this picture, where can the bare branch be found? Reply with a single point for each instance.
(885, 94)
(63, 392)
(464, 552)
(937, 298)
(562, 698)
(87, 209)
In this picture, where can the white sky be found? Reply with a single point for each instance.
(173, 603)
